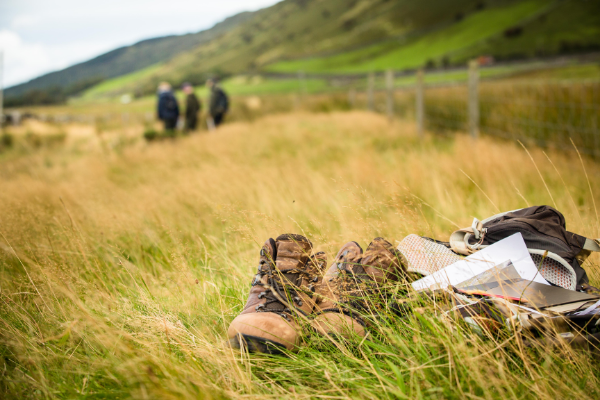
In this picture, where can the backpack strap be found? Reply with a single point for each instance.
(590, 245)
(459, 240)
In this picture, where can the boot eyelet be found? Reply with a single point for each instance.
(262, 295)
(259, 307)
(315, 279)
(256, 280)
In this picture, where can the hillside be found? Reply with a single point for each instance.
(341, 36)
(125, 60)
(361, 36)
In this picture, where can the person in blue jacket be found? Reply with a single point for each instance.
(168, 109)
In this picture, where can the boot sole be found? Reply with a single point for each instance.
(256, 344)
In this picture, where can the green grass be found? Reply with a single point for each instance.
(256, 85)
(582, 72)
(120, 84)
(470, 31)
(241, 85)
(569, 27)
(121, 269)
(248, 85)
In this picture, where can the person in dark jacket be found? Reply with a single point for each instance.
(192, 108)
(168, 109)
(218, 104)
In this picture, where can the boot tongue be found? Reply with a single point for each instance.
(293, 252)
(381, 261)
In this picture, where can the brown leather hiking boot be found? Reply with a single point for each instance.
(350, 281)
(281, 296)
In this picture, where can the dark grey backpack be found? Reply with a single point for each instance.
(557, 252)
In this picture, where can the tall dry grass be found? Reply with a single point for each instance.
(120, 271)
(548, 114)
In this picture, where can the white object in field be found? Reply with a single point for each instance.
(426, 256)
(512, 248)
(210, 124)
(593, 309)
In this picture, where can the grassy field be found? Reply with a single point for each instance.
(121, 267)
(122, 84)
(105, 97)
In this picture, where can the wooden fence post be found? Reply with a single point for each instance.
(389, 83)
(420, 109)
(474, 99)
(370, 89)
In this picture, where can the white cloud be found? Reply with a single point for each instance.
(21, 60)
(39, 36)
(25, 21)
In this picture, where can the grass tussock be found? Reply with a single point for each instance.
(120, 271)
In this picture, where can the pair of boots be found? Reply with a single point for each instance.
(292, 289)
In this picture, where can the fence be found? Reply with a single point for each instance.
(545, 112)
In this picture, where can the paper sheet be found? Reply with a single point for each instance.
(512, 248)
(593, 309)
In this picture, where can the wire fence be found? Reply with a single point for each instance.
(548, 113)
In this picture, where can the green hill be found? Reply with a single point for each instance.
(121, 61)
(349, 36)
(471, 30)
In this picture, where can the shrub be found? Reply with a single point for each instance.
(6, 140)
(150, 134)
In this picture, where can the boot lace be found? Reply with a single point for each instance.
(281, 294)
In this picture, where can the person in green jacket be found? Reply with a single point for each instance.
(192, 107)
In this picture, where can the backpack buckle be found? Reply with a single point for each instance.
(476, 224)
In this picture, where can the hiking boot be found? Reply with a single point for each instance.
(281, 296)
(350, 281)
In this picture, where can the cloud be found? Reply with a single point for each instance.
(25, 21)
(21, 60)
(39, 36)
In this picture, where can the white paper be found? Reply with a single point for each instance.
(593, 309)
(512, 248)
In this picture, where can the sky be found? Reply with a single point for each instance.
(39, 36)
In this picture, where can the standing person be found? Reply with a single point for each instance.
(218, 104)
(168, 109)
(192, 107)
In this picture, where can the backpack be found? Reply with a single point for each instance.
(222, 101)
(170, 103)
(557, 252)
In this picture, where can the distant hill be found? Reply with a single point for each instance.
(125, 60)
(340, 36)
